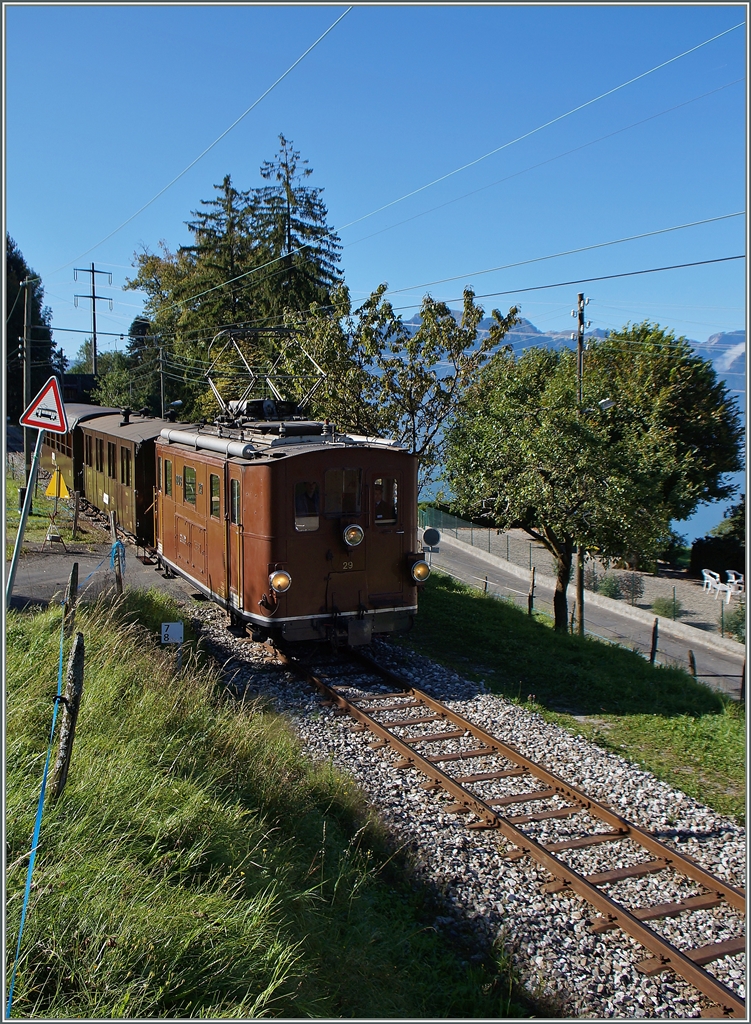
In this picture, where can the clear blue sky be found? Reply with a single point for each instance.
(106, 104)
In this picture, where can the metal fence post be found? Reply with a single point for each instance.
(653, 652)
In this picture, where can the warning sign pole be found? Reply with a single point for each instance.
(24, 515)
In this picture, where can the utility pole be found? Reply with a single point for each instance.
(579, 311)
(93, 298)
(27, 439)
(161, 376)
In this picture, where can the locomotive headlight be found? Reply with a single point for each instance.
(280, 581)
(420, 571)
(353, 535)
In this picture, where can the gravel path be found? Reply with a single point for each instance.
(559, 961)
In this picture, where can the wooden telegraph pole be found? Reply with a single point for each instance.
(581, 303)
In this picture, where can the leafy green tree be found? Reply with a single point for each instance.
(43, 349)
(523, 452)
(733, 525)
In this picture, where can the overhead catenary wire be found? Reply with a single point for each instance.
(540, 128)
(467, 165)
(571, 252)
(542, 163)
(589, 280)
(208, 148)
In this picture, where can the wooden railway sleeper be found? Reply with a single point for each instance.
(663, 951)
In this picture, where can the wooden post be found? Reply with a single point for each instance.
(73, 691)
(692, 663)
(71, 596)
(486, 584)
(76, 510)
(653, 652)
(531, 595)
(118, 569)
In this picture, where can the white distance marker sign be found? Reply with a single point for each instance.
(172, 632)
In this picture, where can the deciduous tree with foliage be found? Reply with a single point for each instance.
(44, 357)
(385, 378)
(523, 452)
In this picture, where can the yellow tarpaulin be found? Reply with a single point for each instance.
(56, 487)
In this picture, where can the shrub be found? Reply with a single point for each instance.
(610, 587)
(632, 585)
(667, 607)
(735, 620)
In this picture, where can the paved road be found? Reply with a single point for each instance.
(717, 668)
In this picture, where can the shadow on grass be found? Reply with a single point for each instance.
(523, 657)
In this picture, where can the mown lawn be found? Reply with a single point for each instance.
(197, 864)
(684, 732)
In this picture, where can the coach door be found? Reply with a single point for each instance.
(235, 533)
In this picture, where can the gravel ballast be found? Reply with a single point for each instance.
(555, 955)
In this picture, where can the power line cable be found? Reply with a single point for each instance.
(547, 124)
(570, 252)
(208, 148)
(470, 164)
(587, 280)
(542, 163)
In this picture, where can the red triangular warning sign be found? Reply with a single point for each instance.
(47, 411)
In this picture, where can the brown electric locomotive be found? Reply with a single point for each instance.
(299, 531)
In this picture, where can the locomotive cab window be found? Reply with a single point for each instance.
(343, 492)
(307, 506)
(189, 485)
(214, 488)
(168, 477)
(385, 496)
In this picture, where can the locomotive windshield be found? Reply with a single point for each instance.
(307, 505)
(343, 489)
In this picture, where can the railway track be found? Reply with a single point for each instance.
(495, 787)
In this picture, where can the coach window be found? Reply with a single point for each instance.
(125, 466)
(159, 472)
(111, 459)
(342, 492)
(189, 487)
(234, 505)
(87, 450)
(99, 455)
(214, 488)
(385, 499)
(307, 506)
(168, 477)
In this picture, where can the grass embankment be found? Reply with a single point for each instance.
(684, 732)
(38, 520)
(197, 865)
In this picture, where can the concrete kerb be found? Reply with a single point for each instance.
(679, 630)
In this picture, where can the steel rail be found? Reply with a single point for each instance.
(665, 955)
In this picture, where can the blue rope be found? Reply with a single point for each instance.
(38, 822)
(118, 546)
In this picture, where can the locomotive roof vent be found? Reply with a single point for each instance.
(126, 417)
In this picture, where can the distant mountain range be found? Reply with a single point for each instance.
(726, 350)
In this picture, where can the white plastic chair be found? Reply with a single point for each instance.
(711, 580)
(736, 581)
(724, 588)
